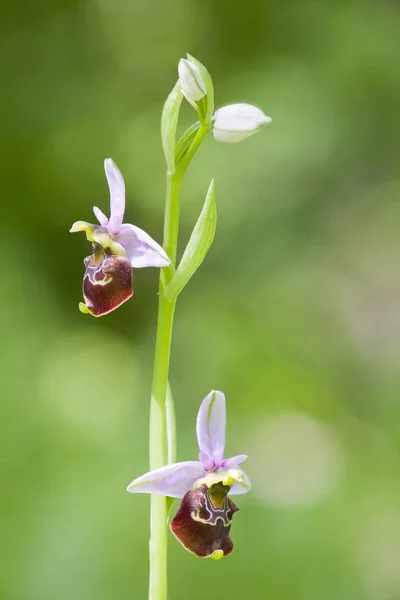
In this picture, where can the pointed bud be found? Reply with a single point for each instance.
(237, 122)
(191, 80)
(203, 521)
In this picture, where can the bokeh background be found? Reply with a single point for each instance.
(294, 314)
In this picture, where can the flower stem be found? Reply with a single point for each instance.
(158, 449)
(159, 453)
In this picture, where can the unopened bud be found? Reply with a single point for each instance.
(191, 80)
(237, 122)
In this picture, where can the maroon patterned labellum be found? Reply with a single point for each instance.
(107, 282)
(203, 521)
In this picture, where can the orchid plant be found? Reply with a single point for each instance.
(203, 521)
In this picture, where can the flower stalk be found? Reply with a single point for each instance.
(158, 415)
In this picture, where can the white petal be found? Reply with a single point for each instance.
(140, 248)
(117, 195)
(241, 487)
(211, 426)
(173, 480)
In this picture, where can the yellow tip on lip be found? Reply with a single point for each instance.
(83, 308)
(217, 555)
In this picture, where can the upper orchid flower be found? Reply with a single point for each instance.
(191, 80)
(203, 521)
(117, 248)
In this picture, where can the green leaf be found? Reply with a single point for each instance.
(169, 122)
(207, 111)
(198, 246)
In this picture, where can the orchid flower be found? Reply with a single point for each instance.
(117, 249)
(237, 122)
(203, 521)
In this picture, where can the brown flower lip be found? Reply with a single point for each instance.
(203, 522)
(107, 282)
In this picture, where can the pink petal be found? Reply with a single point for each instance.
(100, 216)
(207, 462)
(234, 461)
(241, 487)
(211, 425)
(140, 248)
(173, 480)
(117, 195)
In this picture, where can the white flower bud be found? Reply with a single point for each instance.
(191, 80)
(236, 122)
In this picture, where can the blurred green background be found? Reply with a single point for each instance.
(294, 314)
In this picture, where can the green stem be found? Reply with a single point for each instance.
(158, 430)
(158, 449)
(171, 427)
(158, 424)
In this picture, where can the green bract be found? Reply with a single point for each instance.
(198, 245)
(169, 121)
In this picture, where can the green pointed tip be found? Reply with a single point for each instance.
(217, 555)
(83, 308)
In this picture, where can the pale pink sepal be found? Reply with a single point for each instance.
(241, 487)
(117, 195)
(173, 480)
(211, 425)
(140, 248)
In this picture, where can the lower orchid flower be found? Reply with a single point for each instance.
(203, 521)
(117, 249)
